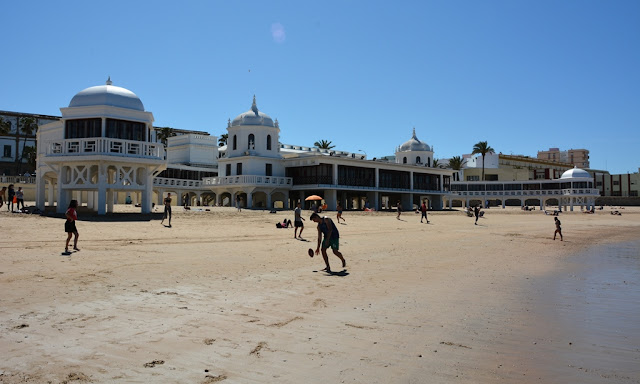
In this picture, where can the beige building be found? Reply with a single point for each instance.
(577, 157)
(625, 185)
(499, 167)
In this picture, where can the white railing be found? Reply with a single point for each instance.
(249, 180)
(105, 146)
(17, 180)
(185, 183)
(554, 192)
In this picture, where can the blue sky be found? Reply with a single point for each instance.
(522, 75)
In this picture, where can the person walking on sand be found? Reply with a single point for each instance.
(476, 212)
(167, 209)
(3, 196)
(558, 229)
(70, 225)
(399, 208)
(423, 209)
(331, 239)
(11, 194)
(339, 215)
(20, 198)
(297, 221)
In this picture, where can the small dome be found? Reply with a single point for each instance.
(575, 172)
(414, 144)
(253, 117)
(109, 95)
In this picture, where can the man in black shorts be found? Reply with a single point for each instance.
(167, 209)
(297, 222)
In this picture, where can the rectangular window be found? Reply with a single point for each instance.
(239, 169)
(473, 178)
(228, 170)
(633, 193)
(7, 151)
(268, 170)
(616, 182)
(491, 177)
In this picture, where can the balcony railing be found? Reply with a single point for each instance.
(105, 146)
(554, 192)
(248, 180)
(185, 183)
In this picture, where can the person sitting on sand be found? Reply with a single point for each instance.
(286, 223)
(331, 239)
(558, 229)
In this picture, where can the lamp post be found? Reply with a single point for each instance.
(365, 153)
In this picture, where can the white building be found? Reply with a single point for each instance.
(100, 147)
(257, 170)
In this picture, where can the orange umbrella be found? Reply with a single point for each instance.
(313, 197)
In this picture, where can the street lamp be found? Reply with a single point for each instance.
(365, 153)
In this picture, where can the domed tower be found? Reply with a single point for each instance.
(101, 146)
(253, 133)
(414, 152)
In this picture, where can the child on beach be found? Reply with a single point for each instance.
(423, 209)
(167, 209)
(339, 215)
(297, 221)
(399, 208)
(70, 225)
(331, 239)
(558, 229)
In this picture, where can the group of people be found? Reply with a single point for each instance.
(14, 199)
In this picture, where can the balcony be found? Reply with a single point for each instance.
(272, 181)
(105, 146)
(179, 183)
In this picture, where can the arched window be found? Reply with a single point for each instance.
(235, 142)
(252, 141)
(404, 160)
(268, 142)
(418, 160)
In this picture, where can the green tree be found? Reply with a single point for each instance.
(5, 127)
(222, 141)
(323, 144)
(165, 133)
(436, 163)
(482, 148)
(30, 154)
(456, 163)
(28, 126)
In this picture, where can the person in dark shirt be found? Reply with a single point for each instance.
(328, 229)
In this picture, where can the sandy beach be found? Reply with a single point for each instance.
(223, 296)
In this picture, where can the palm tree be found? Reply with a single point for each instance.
(5, 127)
(323, 144)
(482, 148)
(30, 154)
(456, 163)
(28, 126)
(222, 141)
(436, 163)
(164, 133)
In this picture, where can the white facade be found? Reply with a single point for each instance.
(101, 146)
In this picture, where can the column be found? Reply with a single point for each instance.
(51, 193)
(160, 197)
(331, 198)
(40, 191)
(147, 193)
(441, 183)
(218, 198)
(62, 196)
(104, 128)
(571, 203)
(102, 190)
(269, 204)
(90, 201)
(411, 180)
(335, 174)
(249, 200)
(110, 196)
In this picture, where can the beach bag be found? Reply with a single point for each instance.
(15, 199)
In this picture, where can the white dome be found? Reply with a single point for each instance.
(109, 95)
(253, 117)
(575, 172)
(414, 144)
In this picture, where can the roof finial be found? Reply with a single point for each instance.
(109, 82)
(229, 123)
(414, 133)
(254, 107)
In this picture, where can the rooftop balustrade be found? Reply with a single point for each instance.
(249, 180)
(105, 146)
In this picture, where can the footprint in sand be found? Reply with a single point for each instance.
(319, 303)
